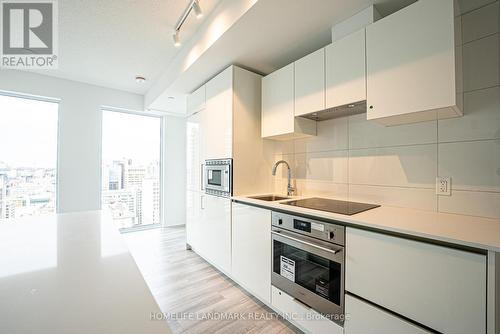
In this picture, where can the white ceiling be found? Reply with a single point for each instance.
(109, 42)
(269, 35)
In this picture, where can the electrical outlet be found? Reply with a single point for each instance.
(443, 185)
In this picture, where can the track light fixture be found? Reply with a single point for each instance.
(197, 9)
(177, 40)
(194, 5)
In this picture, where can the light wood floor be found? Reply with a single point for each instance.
(185, 285)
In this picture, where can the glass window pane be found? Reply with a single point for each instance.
(131, 151)
(28, 157)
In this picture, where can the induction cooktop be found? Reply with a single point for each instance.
(330, 205)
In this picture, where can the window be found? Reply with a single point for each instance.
(28, 157)
(131, 155)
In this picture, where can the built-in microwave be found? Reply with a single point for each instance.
(218, 177)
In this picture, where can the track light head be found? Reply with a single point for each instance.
(197, 9)
(177, 39)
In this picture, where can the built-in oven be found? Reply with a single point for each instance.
(218, 177)
(308, 262)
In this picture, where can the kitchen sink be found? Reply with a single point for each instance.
(269, 198)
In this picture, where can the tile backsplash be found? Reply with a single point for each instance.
(356, 159)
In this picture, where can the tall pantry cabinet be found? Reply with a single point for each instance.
(225, 124)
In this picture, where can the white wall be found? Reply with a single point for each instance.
(79, 131)
(174, 171)
(361, 160)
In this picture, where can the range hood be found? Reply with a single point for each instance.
(336, 112)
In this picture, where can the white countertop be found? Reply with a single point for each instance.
(476, 232)
(71, 273)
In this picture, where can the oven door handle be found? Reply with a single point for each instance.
(288, 236)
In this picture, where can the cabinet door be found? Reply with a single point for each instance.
(345, 70)
(363, 318)
(439, 287)
(196, 100)
(251, 255)
(215, 231)
(193, 153)
(411, 60)
(302, 316)
(217, 118)
(193, 216)
(277, 102)
(310, 83)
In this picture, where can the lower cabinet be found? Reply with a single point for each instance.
(193, 216)
(215, 231)
(251, 249)
(439, 287)
(208, 228)
(364, 318)
(304, 317)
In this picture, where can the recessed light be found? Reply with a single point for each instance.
(140, 79)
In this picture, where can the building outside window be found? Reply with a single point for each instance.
(28, 156)
(131, 155)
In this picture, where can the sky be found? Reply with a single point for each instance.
(28, 132)
(130, 136)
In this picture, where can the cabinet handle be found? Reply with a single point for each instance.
(371, 107)
(201, 202)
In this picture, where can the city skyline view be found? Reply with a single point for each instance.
(28, 157)
(130, 174)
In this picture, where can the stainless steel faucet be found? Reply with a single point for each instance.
(289, 188)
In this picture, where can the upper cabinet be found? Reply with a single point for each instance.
(310, 83)
(196, 100)
(345, 70)
(413, 65)
(278, 111)
(217, 118)
(404, 68)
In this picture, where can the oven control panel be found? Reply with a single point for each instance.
(314, 228)
(218, 162)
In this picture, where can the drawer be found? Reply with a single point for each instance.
(439, 287)
(364, 318)
(302, 316)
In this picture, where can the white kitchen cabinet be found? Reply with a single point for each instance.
(439, 287)
(413, 65)
(196, 100)
(193, 217)
(214, 232)
(302, 316)
(310, 83)
(217, 118)
(346, 70)
(193, 153)
(278, 107)
(363, 318)
(227, 127)
(251, 249)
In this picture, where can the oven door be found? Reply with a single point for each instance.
(218, 178)
(310, 270)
